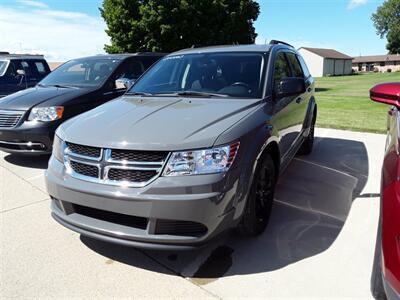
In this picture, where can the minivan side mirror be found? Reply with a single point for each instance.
(387, 93)
(124, 83)
(290, 86)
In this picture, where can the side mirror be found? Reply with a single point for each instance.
(387, 93)
(124, 83)
(290, 86)
(21, 72)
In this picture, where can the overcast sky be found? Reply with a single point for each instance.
(65, 29)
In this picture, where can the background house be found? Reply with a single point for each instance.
(378, 63)
(324, 62)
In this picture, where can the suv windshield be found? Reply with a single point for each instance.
(209, 74)
(82, 72)
(3, 66)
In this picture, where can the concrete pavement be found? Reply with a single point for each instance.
(319, 243)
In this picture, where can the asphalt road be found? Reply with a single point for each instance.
(319, 243)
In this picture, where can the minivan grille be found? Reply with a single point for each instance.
(9, 119)
(185, 228)
(130, 175)
(114, 166)
(84, 169)
(145, 156)
(84, 150)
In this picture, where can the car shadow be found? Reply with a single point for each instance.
(312, 202)
(322, 89)
(28, 161)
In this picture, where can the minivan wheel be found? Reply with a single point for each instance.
(259, 203)
(308, 143)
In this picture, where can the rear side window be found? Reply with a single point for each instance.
(281, 69)
(304, 66)
(41, 69)
(297, 71)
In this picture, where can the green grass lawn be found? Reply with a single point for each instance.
(343, 102)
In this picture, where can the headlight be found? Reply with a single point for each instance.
(206, 161)
(46, 114)
(58, 148)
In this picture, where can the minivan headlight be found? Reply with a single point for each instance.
(58, 148)
(205, 161)
(46, 114)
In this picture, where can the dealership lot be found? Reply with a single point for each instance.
(320, 240)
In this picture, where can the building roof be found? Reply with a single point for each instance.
(327, 53)
(226, 48)
(376, 58)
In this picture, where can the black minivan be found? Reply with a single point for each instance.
(29, 118)
(20, 71)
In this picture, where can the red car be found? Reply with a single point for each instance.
(385, 281)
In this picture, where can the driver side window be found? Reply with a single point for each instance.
(281, 69)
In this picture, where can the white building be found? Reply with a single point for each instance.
(326, 62)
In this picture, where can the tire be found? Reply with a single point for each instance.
(377, 289)
(258, 208)
(308, 143)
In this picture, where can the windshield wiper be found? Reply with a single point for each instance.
(193, 94)
(139, 94)
(60, 86)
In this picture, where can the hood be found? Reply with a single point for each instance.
(26, 99)
(164, 123)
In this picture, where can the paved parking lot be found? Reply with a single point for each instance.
(319, 243)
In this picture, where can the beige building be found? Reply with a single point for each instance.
(377, 63)
(326, 62)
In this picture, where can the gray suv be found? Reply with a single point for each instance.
(194, 148)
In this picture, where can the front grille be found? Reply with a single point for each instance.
(84, 169)
(131, 168)
(9, 119)
(92, 152)
(111, 217)
(130, 175)
(185, 228)
(142, 156)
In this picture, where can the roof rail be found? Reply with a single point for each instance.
(4, 52)
(276, 42)
(13, 55)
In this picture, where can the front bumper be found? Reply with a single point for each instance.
(168, 213)
(28, 138)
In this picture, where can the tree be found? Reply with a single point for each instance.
(387, 23)
(170, 25)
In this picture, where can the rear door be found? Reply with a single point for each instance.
(302, 100)
(310, 84)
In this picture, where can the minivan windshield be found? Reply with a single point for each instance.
(81, 72)
(226, 74)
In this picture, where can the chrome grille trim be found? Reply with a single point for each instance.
(10, 118)
(105, 163)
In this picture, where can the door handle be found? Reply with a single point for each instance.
(298, 100)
